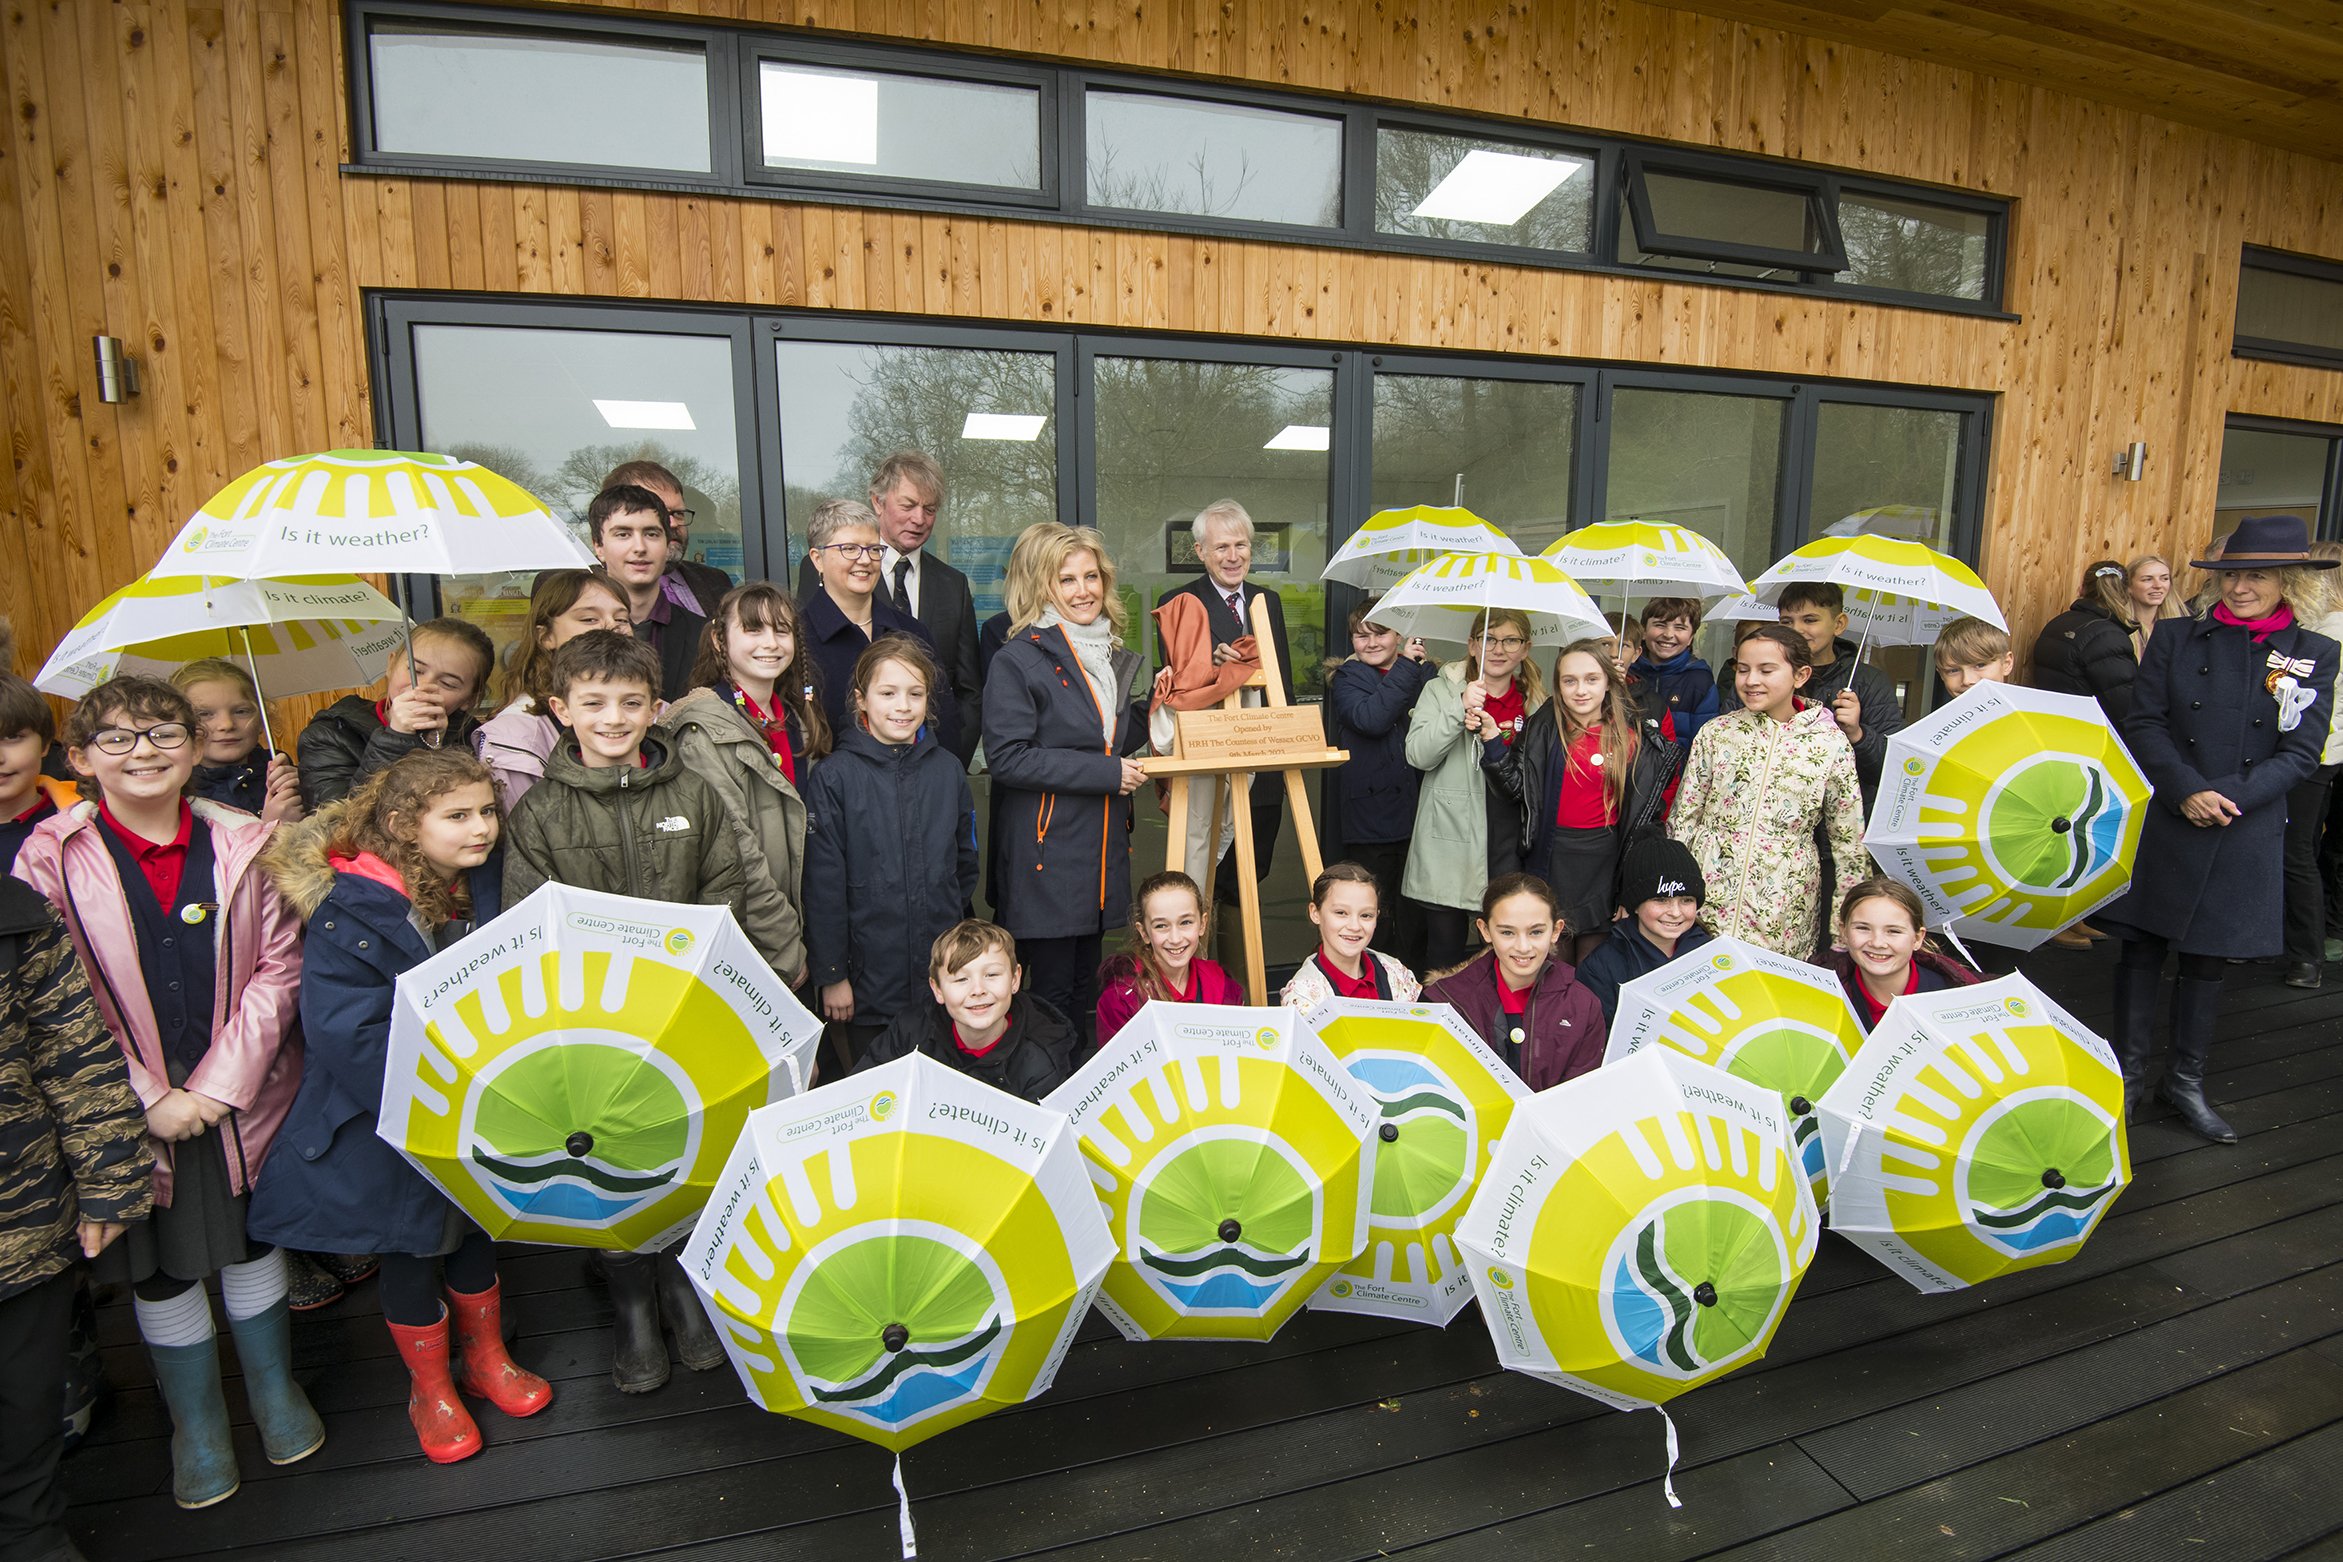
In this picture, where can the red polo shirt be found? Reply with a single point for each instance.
(161, 861)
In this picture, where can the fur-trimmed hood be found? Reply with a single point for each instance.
(298, 862)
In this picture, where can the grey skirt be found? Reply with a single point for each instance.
(199, 1233)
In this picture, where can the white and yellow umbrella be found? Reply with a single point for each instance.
(1771, 1020)
(1444, 1098)
(2011, 813)
(576, 1071)
(296, 636)
(1439, 600)
(389, 512)
(1915, 521)
(900, 1252)
(1979, 1131)
(1651, 558)
(1390, 543)
(1236, 1160)
(1898, 592)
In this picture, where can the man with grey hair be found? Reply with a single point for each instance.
(1223, 533)
(845, 611)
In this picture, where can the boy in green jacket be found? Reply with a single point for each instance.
(618, 812)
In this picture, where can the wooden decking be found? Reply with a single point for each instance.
(2176, 1390)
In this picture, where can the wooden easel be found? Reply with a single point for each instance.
(1233, 740)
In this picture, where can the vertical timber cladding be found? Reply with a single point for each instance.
(171, 177)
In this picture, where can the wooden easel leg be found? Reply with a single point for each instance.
(1175, 851)
(1305, 828)
(1249, 904)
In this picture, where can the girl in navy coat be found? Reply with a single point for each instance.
(2229, 714)
(890, 848)
(1370, 802)
(1058, 732)
(396, 872)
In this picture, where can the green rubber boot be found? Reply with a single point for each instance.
(289, 1427)
(203, 1460)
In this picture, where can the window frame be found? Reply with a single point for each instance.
(358, 60)
(784, 49)
(1819, 189)
(2255, 257)
(2330, 526)
(736, 51)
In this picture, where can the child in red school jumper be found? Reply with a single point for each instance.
(402, 868)
(1521, 997)
(980, 1022)
(1344, 905)
(1169, 925)
(197, 964)
(1883, 952)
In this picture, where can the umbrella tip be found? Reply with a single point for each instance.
(894, 1336)
(1388, 1132)
(1705, 1294)
(1230, 1231)
(579, 1144)
(1800, 1106)
(2054, 1179)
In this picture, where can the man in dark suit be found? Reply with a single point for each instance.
(906, 495)
(628, 525)
(702, 586)
(1224, 542)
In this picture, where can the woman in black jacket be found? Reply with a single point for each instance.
(2087, 649)
(1058, 729)
(1369, 803)
(2231, 715)
(1590, 777)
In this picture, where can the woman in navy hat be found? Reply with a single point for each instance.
(2229, 714)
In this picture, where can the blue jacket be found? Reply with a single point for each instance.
(1682, 686)
(1626, 955)
(833, 644)
(1372, 799)
(890, 863)
(329, 1184)
(1061, 840)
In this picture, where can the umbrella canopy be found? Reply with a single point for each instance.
(1236, 1159)
(1641, 1231)
(297, 636)
(900, 1252)
(1650, 558)
(1776, 1022)
(1888, 520)
(381, 511)
(1438, 601)
(1390, 543)
(2010, 812)
(576, 1071)
(1979, 1131)
(1443, 1098)
(1743, 609)
(1898, 592)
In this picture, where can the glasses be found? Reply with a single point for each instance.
(1506, 643)
(855, 550)
(163, 735)
(685, 516)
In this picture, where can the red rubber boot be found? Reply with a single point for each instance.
(485, 1367)
(442, 1424)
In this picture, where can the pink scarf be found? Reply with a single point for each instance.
(2259, 628)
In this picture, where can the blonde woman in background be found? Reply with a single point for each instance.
(2306, 811)
(2148, 582)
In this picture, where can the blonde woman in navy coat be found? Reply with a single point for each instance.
(2229, 714)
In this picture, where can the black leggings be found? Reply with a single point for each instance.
(410, 1285)
(1065, 971)
(2148, 954)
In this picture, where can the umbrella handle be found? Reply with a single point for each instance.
(903, 1513)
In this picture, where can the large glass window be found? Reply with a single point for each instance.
(1887, 471)
(2272, 472)
(1481, 191)
(988, 417)
(1164, 154)
(556, 410)
(877, 124)
(1504, 449)
(1915, 246)
(2290, 306)
(524, 96)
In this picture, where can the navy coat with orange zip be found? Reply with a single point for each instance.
(1061, 842)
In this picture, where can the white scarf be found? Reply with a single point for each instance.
(1094, 648)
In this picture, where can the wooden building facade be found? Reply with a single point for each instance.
(184, 175)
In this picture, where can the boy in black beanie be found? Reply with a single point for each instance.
(1663, 891)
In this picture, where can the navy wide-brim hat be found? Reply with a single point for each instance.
(2267, 542)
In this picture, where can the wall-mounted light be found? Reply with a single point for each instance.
(2131, 462)
(117, 370)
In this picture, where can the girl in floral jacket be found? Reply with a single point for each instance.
(1761, 782)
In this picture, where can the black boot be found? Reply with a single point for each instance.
(638, 1352)
(2133, 1032)
(2196, 1006)
(680, 1305)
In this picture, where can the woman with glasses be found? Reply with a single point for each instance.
(848, 612)
(196, 963)
(1468, 824)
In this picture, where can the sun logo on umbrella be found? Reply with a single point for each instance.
(606, 1165)
(2037, 1171)
(1224, 1221)
(895, 1322)
(1688, 1275)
